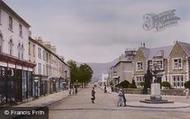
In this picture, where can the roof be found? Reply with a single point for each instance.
(34, 41)
(186, 47)
(149, 53)
(4, 6)
(156, 51)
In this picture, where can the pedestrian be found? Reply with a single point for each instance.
(124, 98)
(120, 98)
(186, 91)
(76, 90)
(105, 90)
(93, 92)
(111, 88)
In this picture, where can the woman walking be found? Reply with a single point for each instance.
(120, 98)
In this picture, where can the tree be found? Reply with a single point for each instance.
(166, 84)
(147, 81)
(73, 70)
(123, 84)
(133, 84)
(85, 73)
(80, 74)
(187, 84)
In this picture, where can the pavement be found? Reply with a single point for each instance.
(80, 107)
(46, 100)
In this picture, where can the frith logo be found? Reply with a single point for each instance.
(160, 21)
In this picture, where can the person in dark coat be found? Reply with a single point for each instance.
(93, 92)
(124, 98)
(105, 90)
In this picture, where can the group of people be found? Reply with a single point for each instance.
(121, 97)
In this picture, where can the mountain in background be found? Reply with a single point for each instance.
(99, 68)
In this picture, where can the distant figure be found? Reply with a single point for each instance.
(93, 92)
(120, 98)
(111, 88)
(105, 90)
(76, 90)
(186, 91)
(124, 98)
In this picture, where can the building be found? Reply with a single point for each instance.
(154, 59)
(15, 69)
(51, 73)
(123, 69)
(179, 64)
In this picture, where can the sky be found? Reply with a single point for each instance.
(101, 30)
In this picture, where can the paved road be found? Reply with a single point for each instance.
(80, 107)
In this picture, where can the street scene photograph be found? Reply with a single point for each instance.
(94, 59)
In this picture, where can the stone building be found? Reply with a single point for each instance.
(154, 59)
(179, 64)
(123, 69)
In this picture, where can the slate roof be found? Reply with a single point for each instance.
(186, 47)
(151, 52)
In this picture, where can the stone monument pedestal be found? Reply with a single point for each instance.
(155, 97)
(155, 92)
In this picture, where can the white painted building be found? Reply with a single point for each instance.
(14, 65)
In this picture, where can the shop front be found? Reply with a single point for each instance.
(15, 80)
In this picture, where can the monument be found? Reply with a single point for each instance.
(155, 94)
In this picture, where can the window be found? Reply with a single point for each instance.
(178, 81)
(22, 51)
(139, 66)
(1, 42)
(39, 53)
(33, 50)
(11, 47)
(159, 64)
(177, 63)
(150, 65)
(39, 68)
(44, 69)
(19, 50)
(29, 48)
(10, 23)
(44, 55)
(20, 30)
(139, 79)
(0, 16)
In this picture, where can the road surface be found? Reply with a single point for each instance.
(80, 107)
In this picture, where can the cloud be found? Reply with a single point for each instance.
(100, 30)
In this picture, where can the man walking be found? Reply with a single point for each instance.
(124, 98)
(93, 92)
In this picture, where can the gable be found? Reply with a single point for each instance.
(177, 51)
(139, 55)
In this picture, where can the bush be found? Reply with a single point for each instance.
(142, 84)
(187, 84)
(133, 84)
(166, 84)
(123, 84)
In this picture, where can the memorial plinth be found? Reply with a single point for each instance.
(155, 97)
